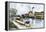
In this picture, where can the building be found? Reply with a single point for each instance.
(39, 15)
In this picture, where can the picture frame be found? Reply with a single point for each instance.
(28, 15)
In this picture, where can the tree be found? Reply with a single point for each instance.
(12, 12)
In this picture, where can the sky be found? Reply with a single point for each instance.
(25, 8)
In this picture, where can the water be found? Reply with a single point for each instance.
(36, 23)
